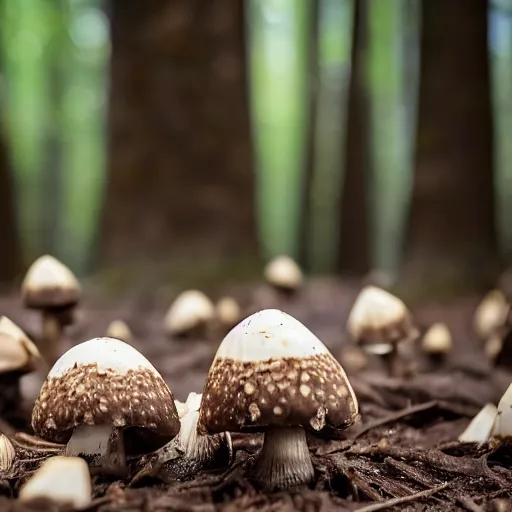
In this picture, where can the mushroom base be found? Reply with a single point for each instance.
(284, 461)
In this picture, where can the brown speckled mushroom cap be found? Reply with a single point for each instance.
(379, 318)
(271, 370)
(49, 284)
(103, 381)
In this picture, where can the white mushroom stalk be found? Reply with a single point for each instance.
(272, 374)
(480, 428)
(95, 391)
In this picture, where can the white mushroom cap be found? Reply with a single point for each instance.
(228, 311)
(7, 454)
(283, 272)
(119, 330)
(493, 346)
(191, 309)
(379, 318)
(503, 424)
(17, 352)
(437, 340)
(271, 370)
(103, 381)
(64, 480)
(479, 429)
(48, 284)
(490, 314)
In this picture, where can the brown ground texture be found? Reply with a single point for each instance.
(404, 454)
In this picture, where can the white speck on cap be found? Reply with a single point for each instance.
(106, 353)
(268, 334)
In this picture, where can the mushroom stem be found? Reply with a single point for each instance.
(104, 443)
(284, 461)
(394, 362)
(52, 332)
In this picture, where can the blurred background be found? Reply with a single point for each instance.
(189, 141)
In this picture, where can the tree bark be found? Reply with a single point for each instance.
(451, 236)
(180, 182)
(10, 254)
(354, 253)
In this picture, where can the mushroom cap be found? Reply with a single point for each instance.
(49, 284)
(190, 309)
(283, 272)
(64, 480)
(491, 314)
(502, 427)
(271, 370)
(119, 330)
(228, 311)
(437, 339)
(103, 381)
(17, 352)
(379, 318)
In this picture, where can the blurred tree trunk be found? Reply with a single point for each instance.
(354, 243)
(10, 253)
(180, 184)
(451, 233)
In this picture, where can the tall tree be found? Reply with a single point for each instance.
(451, 233)
(354, 252)
(10, 253)
(180, 183)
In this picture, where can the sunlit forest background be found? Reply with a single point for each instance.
(188, 140)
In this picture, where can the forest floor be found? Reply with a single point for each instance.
(404, 455)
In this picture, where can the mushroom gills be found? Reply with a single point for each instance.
(102, 445)
(284, 461)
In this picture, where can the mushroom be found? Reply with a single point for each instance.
(190, 313)
(502, 427)
(228, 312)
(437, 342)
(7, 455)
(63, 480)
(491, 314)
(51, 287)
(102, 396)
(119, 330)
(272, 374)
(188, 451)
(18, 358)
(479, 429)
(382, 325)
(284, 274)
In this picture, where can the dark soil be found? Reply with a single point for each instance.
(403, 455)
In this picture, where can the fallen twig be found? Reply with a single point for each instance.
(399, 501)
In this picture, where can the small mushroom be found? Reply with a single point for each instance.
(189, 314)
(101, 397)
(51, 287)
(480, 427)
(284, 274)
(188, 452)
(491, 314)
(63, 480)
(437, 343)
(18, 357)
(119, 330)
(272, 374)
(502, 427)
(228, 312)
(7, 454)
(381, 324)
